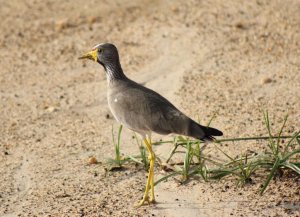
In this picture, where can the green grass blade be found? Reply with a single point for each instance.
(136, 139)
(117, 146)
(142, 153)
(295, 136)
(281, 129)
(289, 155)
(228, 140)
(166, 177)
(118, 153)
(135, 159)
(271, 175)
(212, 118)
(225, 154)
(292, 166)
(272, 144)
(173, 150)
(187, 161)
(220, 173)
(119, 135)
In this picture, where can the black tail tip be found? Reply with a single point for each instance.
(209, 131)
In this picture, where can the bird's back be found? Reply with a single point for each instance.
(140, 108)
(143, 110)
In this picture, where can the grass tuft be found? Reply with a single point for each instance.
(118, 161)
(282, 154)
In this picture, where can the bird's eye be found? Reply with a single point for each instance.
(100, 50)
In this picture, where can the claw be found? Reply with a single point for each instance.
(142, 202)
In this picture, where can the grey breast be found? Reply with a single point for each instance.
(141, 109)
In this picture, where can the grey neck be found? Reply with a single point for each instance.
(114, 72)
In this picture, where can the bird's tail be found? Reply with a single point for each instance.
(210, 133)
(204, 133)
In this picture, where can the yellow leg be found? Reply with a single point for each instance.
(151, 158)
(150, 180)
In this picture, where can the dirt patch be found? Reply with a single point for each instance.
(233, 58)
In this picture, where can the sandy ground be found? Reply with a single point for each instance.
(230, 57)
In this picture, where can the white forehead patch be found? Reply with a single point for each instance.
(98, 45)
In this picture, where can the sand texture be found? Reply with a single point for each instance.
(230, 57)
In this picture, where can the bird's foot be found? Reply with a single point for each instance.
(142, 202)
(145, 201)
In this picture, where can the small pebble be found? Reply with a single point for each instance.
(240, 25)
(92, 160)
(61, 25)
(51, 109)
(93, 19)
(266, 80)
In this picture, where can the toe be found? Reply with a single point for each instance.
(142, 202)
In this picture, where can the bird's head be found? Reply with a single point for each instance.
(106, 54)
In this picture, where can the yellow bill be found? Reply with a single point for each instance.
(92, 55)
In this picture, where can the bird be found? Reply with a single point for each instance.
(143, 110)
